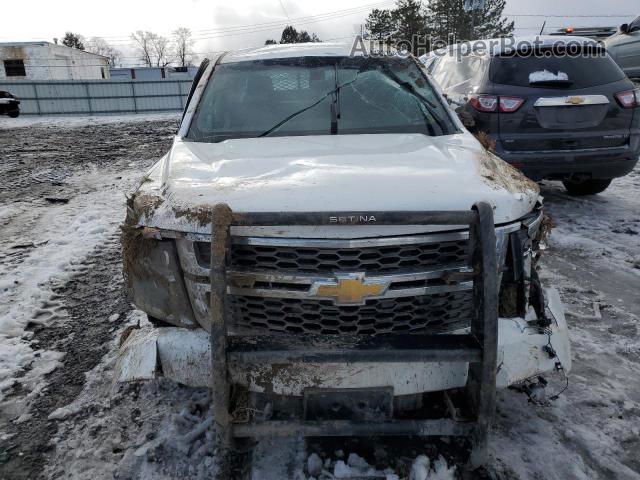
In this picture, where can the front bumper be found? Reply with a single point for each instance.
(183, 355)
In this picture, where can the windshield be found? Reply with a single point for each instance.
(318, 96)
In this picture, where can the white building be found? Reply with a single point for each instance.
(48, 61)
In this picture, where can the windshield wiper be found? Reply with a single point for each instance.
(428, 104)
(335, 115)
(292, 116)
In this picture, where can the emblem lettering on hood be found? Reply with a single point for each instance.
(353, 219)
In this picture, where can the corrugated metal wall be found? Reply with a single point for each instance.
(99, 96)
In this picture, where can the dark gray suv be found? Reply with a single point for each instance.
(555, 110)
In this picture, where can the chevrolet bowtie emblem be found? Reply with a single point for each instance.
(349, 289)
(574, 100)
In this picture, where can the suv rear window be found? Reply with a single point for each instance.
(582, 71)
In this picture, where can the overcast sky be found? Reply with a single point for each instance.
(222, 25)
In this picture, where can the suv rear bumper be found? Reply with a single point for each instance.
(595, 163)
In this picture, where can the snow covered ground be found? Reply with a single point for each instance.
(65, 121)
(62, 309)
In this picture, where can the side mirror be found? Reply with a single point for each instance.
(624, 28)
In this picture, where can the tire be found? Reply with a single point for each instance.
(14, 113)
(586, 187)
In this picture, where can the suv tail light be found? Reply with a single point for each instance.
(510, 104)
(629, 98)
(484, 103)
(493, 103)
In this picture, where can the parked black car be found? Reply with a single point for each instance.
(9, 104)
(554, 111)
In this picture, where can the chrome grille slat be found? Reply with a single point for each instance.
(412, 291)
(289, 285)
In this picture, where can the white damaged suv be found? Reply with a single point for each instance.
(288, 130)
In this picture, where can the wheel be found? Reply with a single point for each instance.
(586, 187)
(14, 113)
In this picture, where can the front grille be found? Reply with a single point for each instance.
(437, 313)
(274, 284)
(378, 259)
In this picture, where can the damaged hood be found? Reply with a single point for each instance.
(333, 173)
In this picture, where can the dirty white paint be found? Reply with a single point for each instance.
(520, 352)
(48, 61)
(138, 356)
(185, 357)
(334, 173)
(405, 378)
(180, 354)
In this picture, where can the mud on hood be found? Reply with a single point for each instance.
(339, 173)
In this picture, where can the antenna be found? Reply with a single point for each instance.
(542, 29)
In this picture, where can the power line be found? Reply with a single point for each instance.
(339, 14)
(252, 29)
(285, 11)
(223, 32)
(274, 23)
(301, 19)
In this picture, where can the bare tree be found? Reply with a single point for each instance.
(100, 46)
(162, 50)
(144, 46)
(183, 46)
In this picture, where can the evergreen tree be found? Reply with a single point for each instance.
(410, 21)
(291, 35)
(304, 37)
(73, 40)
(491, 23)
(380, 24)
(448, 17)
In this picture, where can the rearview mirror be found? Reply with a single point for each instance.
(624, 28)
